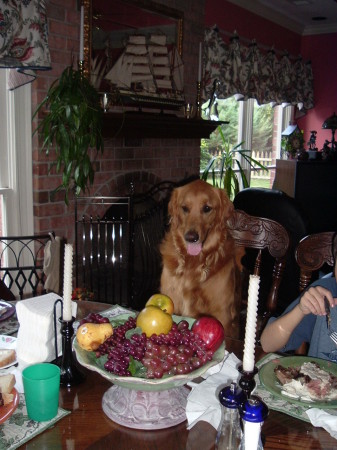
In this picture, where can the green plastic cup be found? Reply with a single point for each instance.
(41, 384)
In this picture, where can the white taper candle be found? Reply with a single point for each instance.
(200, 62)
(82, 33)
(250, 333)
(67, 282)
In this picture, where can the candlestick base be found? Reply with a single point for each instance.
(247, 382)
(70, 373)
(198, 101)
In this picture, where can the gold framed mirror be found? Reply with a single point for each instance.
(134, 46)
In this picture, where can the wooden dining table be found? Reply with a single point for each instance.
(87, 427)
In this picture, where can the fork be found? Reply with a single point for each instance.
(333, 336)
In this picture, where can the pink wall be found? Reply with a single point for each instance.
(230, 17)
(320, 49)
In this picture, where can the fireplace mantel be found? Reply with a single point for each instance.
(134, 124)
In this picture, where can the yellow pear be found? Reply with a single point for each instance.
(91, 335)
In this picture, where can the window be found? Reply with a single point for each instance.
(259, 129)
(16, 192)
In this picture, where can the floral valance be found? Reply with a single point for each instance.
(23, 39)
(248, 72)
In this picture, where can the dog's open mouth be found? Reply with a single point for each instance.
(194, 248)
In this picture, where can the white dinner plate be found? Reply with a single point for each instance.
(8, 342)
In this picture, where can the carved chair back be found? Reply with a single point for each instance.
(261, 236)
(312, 252)
(277, 205)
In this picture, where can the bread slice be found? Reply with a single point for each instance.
(6, 399)
(7, 356)
(7, 383)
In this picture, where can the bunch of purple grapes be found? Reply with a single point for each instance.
(179, 352)
(119, 349)
(94, 318)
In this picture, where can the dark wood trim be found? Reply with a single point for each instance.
(136, 124)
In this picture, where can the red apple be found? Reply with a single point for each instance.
(210, 330)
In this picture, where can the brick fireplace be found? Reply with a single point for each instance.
(144, 161)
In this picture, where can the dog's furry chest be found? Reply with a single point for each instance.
(192, 279)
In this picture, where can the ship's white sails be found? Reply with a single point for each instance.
(147, 66)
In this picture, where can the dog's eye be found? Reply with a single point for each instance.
(206, 209)
(184, 208)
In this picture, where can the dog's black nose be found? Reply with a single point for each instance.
(191, 236)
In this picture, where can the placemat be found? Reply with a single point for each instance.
(9, 326)
(277, 403)
(19, 429)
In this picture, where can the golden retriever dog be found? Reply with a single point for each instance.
(198, 255)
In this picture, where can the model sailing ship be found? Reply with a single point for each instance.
(148, 73)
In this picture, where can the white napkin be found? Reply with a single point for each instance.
(321, 418)
(36, 338)
(203, 402)
(51, 264)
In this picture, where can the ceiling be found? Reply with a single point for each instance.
(301, 16)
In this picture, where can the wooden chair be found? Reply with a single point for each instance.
(21, 264)
(277, 205)
(312, 252)
(261, 236)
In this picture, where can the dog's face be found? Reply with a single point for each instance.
(198, 213)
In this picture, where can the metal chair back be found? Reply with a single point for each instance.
(21, 263)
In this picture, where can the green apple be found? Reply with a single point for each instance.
(154, 320)
(162, 301)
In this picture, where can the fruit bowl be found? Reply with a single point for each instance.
(146, 403)
(89, 360)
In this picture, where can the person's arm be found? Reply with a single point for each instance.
(277, 334)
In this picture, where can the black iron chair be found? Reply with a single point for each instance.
(117, 245)
(21, 264)
(103, 248)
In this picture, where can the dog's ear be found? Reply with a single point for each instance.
(226, 206)
(173, 208)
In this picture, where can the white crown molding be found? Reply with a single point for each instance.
(320, 29)
(269, 14)
(282, 20)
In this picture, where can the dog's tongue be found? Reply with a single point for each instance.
(194, 249)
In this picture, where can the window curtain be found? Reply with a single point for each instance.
(23, 40)
(248, 72)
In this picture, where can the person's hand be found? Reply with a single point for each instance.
(312, 301)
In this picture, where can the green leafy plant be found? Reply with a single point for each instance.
(72, 123)
(221, 167)
(291, 144)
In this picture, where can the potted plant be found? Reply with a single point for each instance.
(72, 122)
(292, 141)
(222, 169)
